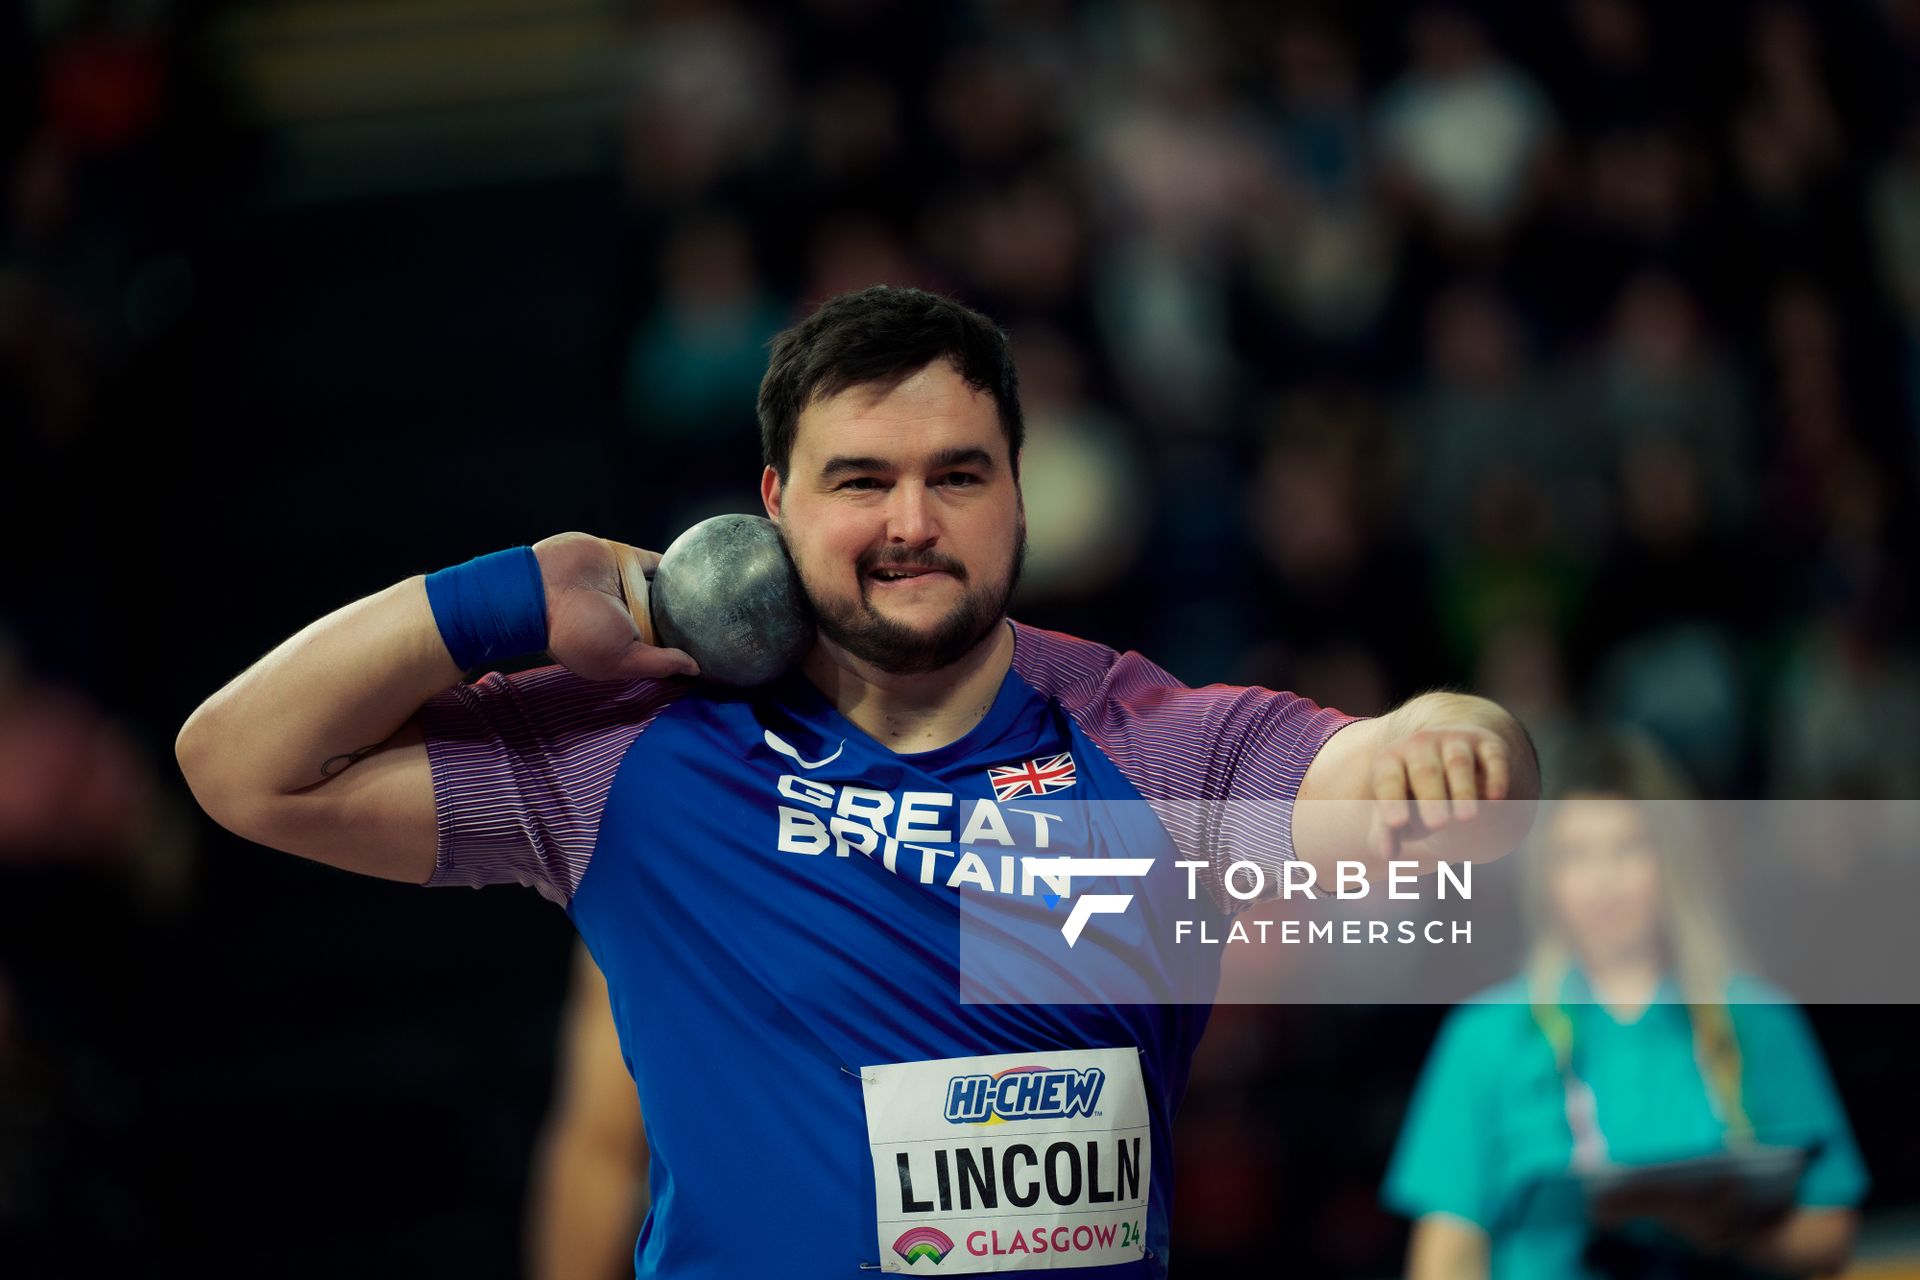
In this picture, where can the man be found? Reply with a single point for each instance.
(772, 880)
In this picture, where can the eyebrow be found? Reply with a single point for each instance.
(958, 456)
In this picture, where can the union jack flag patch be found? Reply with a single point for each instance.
(1032, 778)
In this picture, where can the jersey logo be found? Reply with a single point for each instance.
(1024, 1093)
(923, 1242)
(786, 749)
(1035, 777)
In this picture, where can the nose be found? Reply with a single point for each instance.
(910, 515)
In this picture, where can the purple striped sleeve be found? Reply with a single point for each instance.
(1221, 765)
(521, 769)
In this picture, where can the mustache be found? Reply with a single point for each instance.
(925, 559)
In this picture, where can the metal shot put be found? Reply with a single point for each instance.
(726, 592)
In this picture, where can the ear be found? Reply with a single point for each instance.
(770, 493)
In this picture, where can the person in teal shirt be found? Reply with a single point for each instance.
(1632, 1038)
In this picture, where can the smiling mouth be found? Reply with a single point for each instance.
(907, 575)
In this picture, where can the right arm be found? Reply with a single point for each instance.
(1444, 1247)
(313, 750)
(316, 750)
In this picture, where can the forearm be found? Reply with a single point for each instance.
(588, 1201)
(338, 687)
(1807, 1242)
(1446, 1248)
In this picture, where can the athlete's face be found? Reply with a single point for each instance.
(903, 517)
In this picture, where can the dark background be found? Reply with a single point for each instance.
(1566, 351)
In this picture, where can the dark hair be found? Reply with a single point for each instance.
(882, 334)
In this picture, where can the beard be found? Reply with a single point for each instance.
(901, 650)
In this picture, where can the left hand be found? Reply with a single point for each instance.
(1433, 777)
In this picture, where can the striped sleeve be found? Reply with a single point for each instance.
(522, 765)
(1221, 765)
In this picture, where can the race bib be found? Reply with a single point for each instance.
(1010, 1162)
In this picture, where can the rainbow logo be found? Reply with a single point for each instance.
(923, 1242)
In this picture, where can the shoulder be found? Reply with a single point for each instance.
(1076, 671)
(1745, 988)
(1088, 677)
(1498, 1015)
(1763, 1014)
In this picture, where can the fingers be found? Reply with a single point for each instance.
(1457, 759)
(1493, 758)
(1391, 814)
(601, 626)
(645, 661)
(1436, 777)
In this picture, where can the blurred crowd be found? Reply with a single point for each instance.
(1564, 351)
(1568, 352)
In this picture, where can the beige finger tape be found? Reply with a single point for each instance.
(634, 585)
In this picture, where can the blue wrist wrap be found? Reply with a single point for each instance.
(491, 608)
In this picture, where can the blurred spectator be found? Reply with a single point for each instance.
(1344, 589)
(706, 100)
(1633, 1037)
(1322, 247)
(85, 834)
(993, 116)
(1462, 133)
(1174, 165)
(1088, 502)
(1522, 667)
(696, 361)
(1842, 722)
(1663, 381)
(74, 791)
(1789, 151)
(1812, 409)
(1479, 411)
(850, 251)
(1895, 209)
(1024, 246)
(1613, 85)
(1680, 685)
(1658, 386)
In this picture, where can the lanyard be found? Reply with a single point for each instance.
(1583, 1109)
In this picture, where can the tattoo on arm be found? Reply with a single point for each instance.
(349, 758)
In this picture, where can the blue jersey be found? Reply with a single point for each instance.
(777, 900)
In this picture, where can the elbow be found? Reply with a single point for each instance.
(209, 780)
(193, 753)
(190, 754)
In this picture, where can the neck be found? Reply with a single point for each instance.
(913, 713)
(1625, 983)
